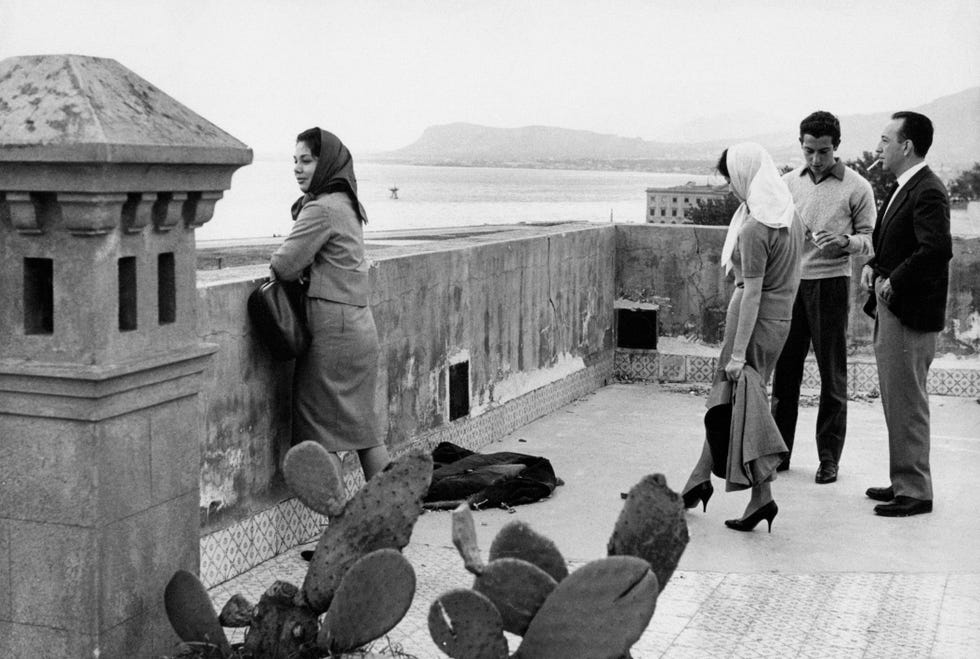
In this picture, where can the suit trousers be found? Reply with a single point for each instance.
(904, 356)
(819, 317)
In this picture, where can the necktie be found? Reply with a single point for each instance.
(891, 194)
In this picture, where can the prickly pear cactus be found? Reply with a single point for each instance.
(372, 598)
(191, 614)
(518, 540)
(517, 588)
(651, 526)
(381, 515)
(313, 475)
(464, 538)
(600, 610)
(357, 575)
(279, 629)
(466, 625)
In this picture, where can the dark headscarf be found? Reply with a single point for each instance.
(334, 173)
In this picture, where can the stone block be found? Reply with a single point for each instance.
(53, 579)
(48, 470)
(23, 641)
(137, 563)
(146, 636)
(175, 452)
(5, 569)
(124, 466)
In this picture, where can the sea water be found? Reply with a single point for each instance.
(257, 205)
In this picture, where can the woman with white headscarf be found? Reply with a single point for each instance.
(762, 251)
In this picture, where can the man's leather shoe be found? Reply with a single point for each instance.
(904, 507)
(880, 493)
(827, 473)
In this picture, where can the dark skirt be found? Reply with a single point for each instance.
(334, 382)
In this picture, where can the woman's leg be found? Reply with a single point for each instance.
(761, 495)
(373, 460)
(702, 470)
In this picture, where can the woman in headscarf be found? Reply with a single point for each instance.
(334, 381)
(762, 250)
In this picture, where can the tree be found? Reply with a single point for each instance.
(715, 212)
(880, 181)
(967, 184)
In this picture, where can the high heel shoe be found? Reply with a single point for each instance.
(700, 492)
(747, 523)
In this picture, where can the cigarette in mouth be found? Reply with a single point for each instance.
(874, 164)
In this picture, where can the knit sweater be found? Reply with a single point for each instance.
(843, 203)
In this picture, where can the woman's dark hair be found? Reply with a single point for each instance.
(311, 138)
(918, 128)
(722, 165)
(819, 124)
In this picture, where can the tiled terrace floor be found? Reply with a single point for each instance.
(832, 580)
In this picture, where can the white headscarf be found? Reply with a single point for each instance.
(756, 180)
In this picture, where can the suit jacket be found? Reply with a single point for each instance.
(913, 247)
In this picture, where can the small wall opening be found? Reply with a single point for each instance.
(166, 289)
(38, 296)
(459, 390)
(637, 329)
(127, 293)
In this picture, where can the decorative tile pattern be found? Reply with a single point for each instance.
(862, 376)
(673, 368)
(230, 552)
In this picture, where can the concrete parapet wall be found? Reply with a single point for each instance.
(524, 309)
(677, 267)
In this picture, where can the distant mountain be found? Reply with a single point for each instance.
(956, 119)
(957, 143)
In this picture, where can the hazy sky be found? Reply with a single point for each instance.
(379, 72)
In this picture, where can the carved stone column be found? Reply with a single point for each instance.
(103, 179)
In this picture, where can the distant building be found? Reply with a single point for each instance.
(669, 205)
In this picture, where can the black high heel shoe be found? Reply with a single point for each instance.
(747, 523)
(700, 492)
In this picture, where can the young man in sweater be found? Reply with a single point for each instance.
(838, 210)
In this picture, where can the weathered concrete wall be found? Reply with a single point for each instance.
(525, 308)
(677, 267)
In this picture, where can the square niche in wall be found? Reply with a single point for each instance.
(636, 325)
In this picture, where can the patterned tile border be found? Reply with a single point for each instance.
(235, 550)
(862, 377)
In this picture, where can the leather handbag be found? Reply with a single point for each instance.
(276, 309)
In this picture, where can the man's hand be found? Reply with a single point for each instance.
(868, 278)
(883, 287)
(823, 239)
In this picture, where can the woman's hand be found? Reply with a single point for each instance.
(733, 369)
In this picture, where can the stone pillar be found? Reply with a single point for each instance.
(103, 179)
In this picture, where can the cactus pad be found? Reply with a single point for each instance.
(313, 476)
(466, 625)
(651, 526)
(280, 629)
(381, 515)
(464, 537)
(237, 612)
(191, 614)
(517, 588)
(372, 598)
(599, 610)
(518, 540)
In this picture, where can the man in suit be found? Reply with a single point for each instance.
(909, 275)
